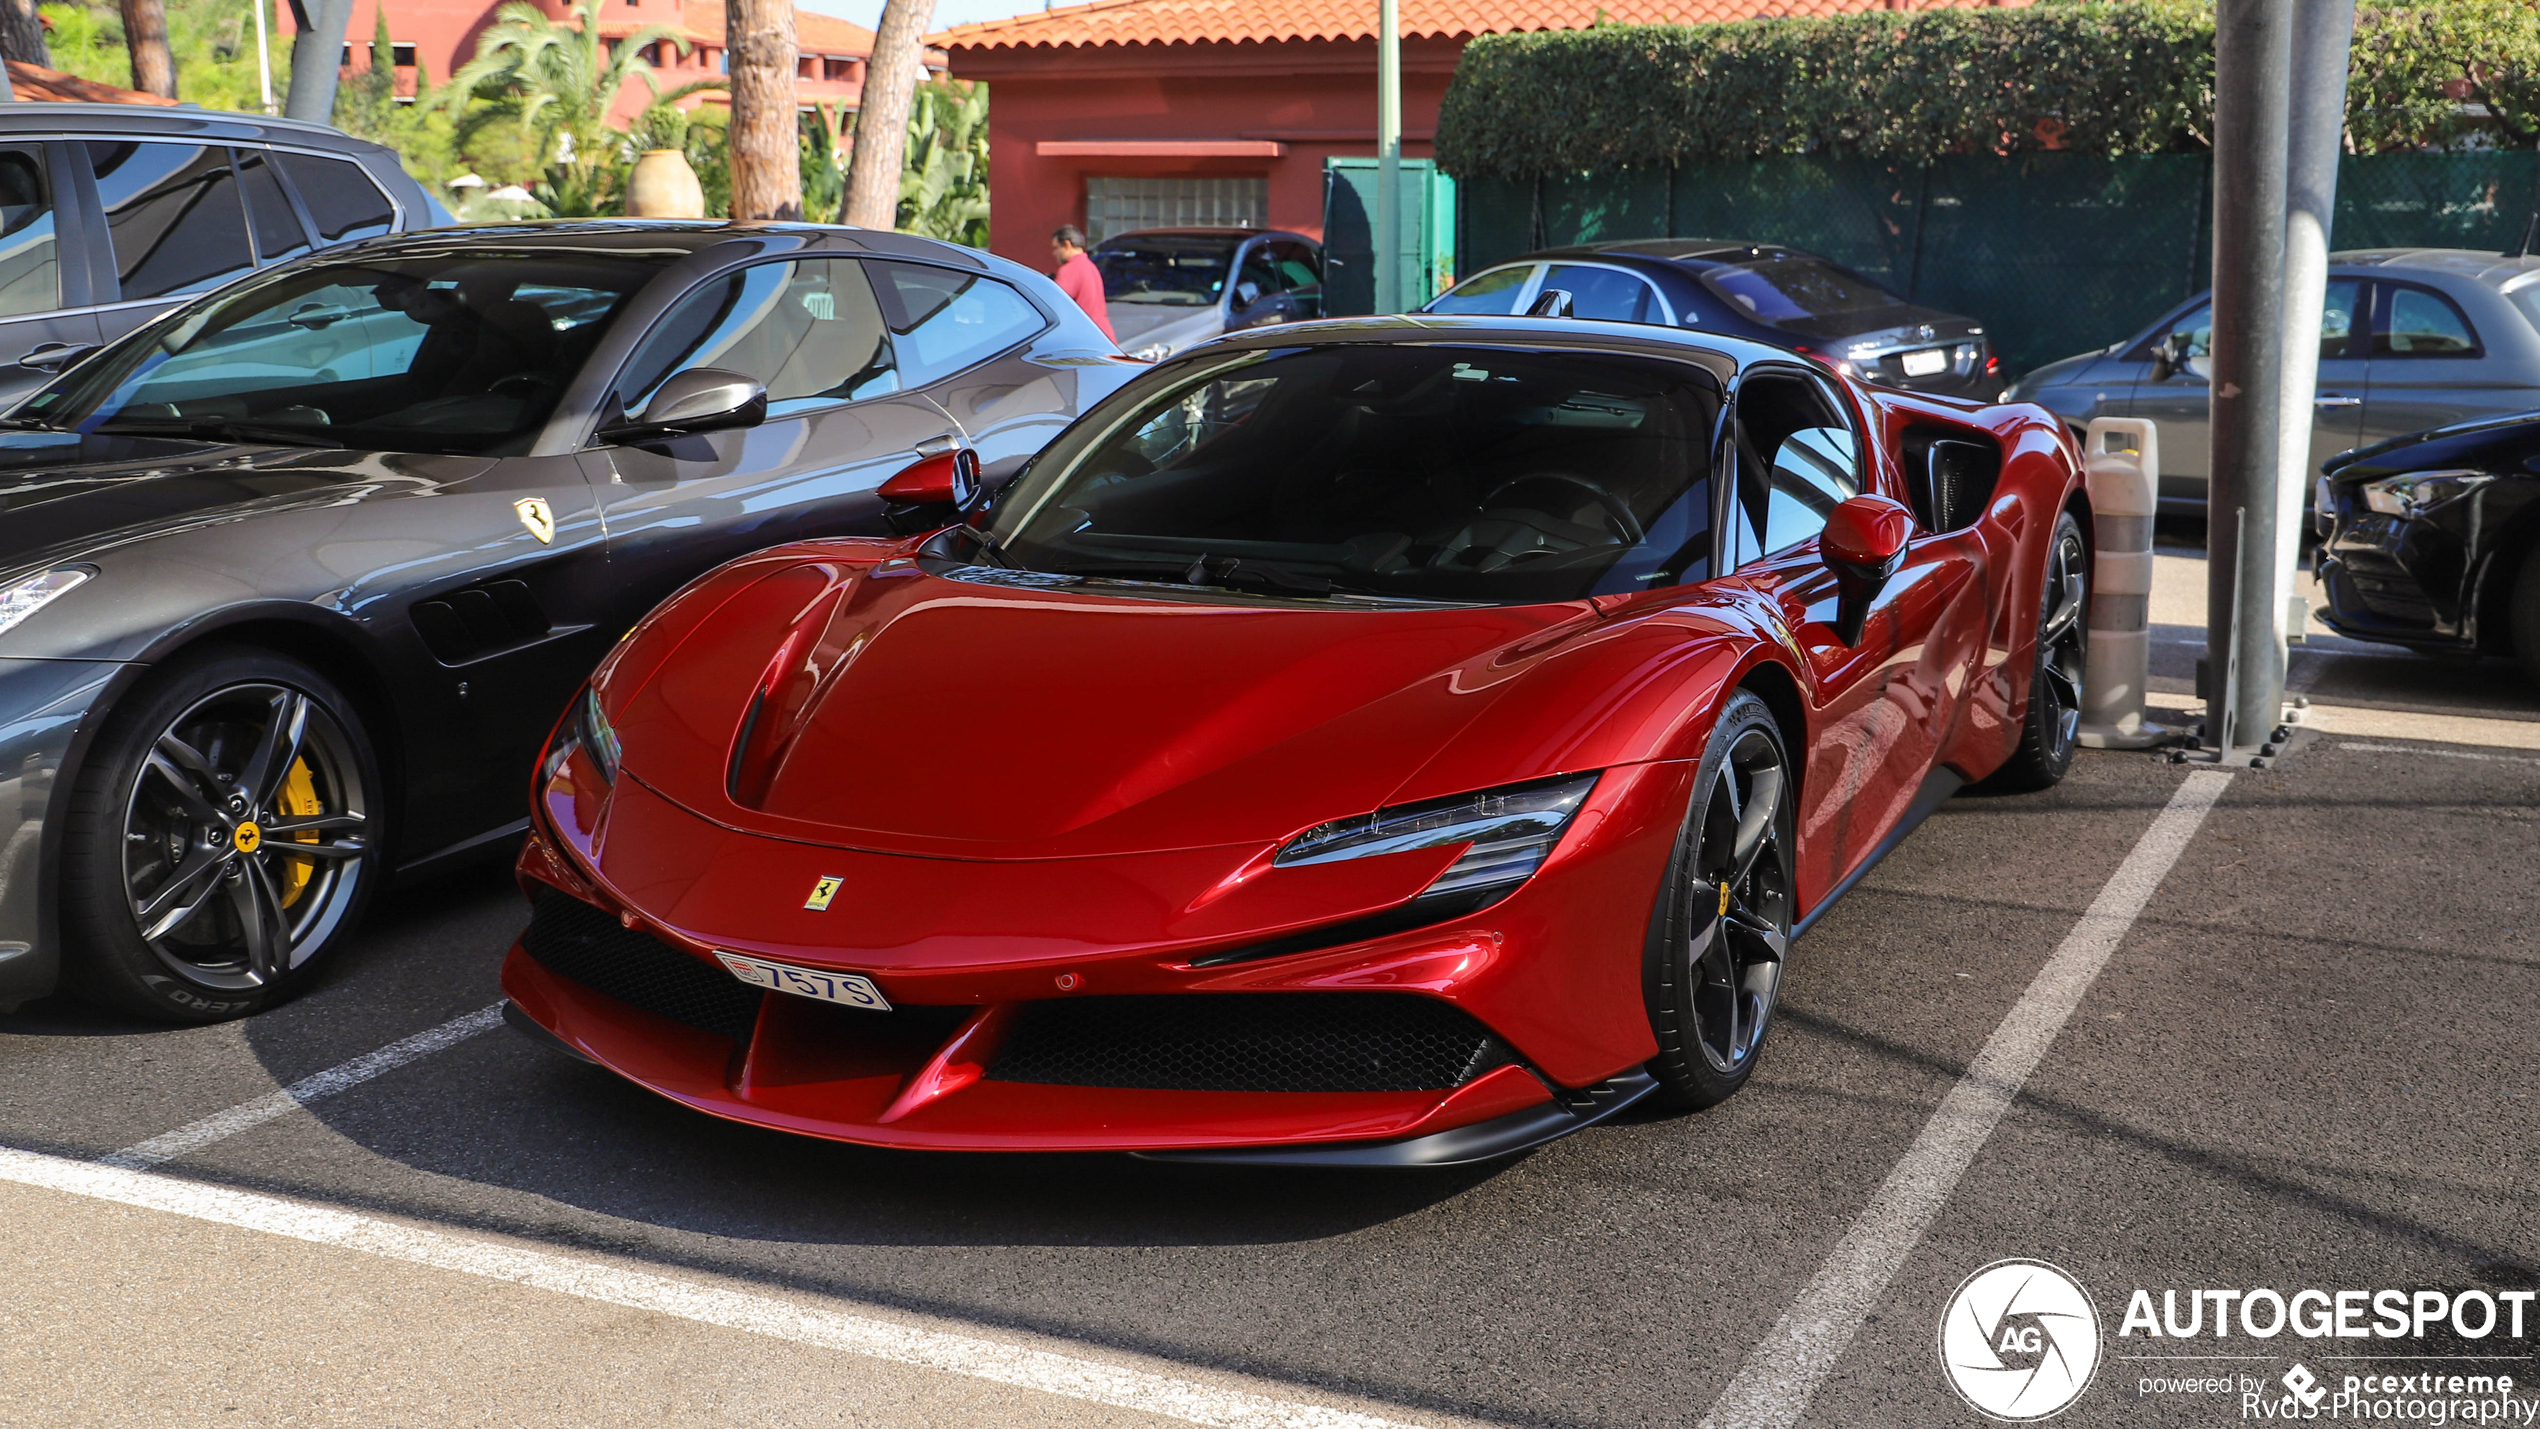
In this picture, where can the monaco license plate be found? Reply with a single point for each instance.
(849, 989)
(1925, 362)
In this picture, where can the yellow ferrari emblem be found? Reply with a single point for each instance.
(247, 837)
(822, 892)
(535, 515)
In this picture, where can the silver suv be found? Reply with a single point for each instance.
(2410, 338)
(111, 214)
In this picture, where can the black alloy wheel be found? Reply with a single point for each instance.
(224, 835)
(2052, 729)
(1722, 934)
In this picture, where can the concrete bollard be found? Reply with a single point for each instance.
(2121, 464)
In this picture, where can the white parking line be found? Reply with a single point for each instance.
(2357, 744)
(196, 1135)
(755, 1314)
(1782, 1373)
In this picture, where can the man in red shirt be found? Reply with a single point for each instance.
(1078, 277)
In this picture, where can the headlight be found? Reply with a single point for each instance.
(2418, 492)
(1511, 831)
(21, 599)
(588, 730)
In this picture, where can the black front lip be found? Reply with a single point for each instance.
(1456, 1146)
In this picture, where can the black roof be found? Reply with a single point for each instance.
(1232, 235)
(654, 235)
(176, 122)
(1678, 250)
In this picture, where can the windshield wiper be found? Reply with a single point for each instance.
(217, 429)
(1221, 573)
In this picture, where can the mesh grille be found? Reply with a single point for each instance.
(572, 939)
(1255, 1042)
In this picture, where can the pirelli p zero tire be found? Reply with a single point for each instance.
(223, 838)
(2052, 729)
(1721, 932)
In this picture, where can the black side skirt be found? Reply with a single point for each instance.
(1482, 1141)
(1936, 788)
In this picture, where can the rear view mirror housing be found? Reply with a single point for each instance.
(1862, 544)
(934, 491)
(701, 399)
(2170, 356)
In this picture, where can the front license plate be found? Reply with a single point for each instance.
(1925, 362)
(850, 989)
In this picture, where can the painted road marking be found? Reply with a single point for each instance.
(2436, 753)
(1042, 1370)
(1782, 1373)
(317, 1086)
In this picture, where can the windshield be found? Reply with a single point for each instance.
(1797, 290)
(1429, 473)
(1173, 272)
(462, 354)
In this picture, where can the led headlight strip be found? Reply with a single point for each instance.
(1511, 831)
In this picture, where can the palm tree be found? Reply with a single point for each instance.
(558, 81)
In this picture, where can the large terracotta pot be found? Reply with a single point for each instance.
(663, 186)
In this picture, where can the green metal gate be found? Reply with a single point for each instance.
(1349, 234)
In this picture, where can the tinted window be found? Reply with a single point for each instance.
(1796, 290)
(1180, 273)
(341, 199)
(943, 320)
(278, 231)
(458, 354)
(1605, 293)
(173, 214)
(1297, 268)
(2423, 323)
(810, 332)
(1796, 462)
(1472, 473)
(2337, 317)
(29, 267)
(1257, 270)
(2198, 327)
(1492, 292)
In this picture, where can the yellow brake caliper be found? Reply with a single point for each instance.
(298, 800)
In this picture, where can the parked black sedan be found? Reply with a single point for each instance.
(2432, 540)
(1760, 291)
(295, 579)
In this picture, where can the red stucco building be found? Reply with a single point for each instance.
(1127, 114)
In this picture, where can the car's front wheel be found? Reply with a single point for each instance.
(1714, 968)
(224, 835)
(2053, 727)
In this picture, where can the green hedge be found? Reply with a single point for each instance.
(2107, 79)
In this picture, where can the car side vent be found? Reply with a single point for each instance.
(473, 621)
(1950, 478)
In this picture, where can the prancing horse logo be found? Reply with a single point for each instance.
(535, 515)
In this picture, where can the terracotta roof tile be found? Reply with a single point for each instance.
(35, 82)
(814, 34)
(1160, 22)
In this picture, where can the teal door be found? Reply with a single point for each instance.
(1349, 234)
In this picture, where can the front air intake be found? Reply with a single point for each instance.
(572, 939)
(1249, 1042)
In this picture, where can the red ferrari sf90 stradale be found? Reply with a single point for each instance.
(1391, 742)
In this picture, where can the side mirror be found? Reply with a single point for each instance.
(1863, 541)
(1247, 294)
(2170, 356)
(924, 488)
(701, 399)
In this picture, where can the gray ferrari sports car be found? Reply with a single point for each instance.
(295, 579)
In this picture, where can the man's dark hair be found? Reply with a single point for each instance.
(1070, 235)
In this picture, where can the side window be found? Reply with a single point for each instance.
(173, 215)
(943, 320)
(342, 200)
(1797, 460)
(1297, 268)
(2419, 322)
(278, 232)
(2198, 325)
(1259, 272)
(1606, 293)
(30, 280)
(809, 331)
(2337, 317)
(1492, 292)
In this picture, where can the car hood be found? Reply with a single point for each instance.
(1152, 324)
(63, 495)
(893, 709)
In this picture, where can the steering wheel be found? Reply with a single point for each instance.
(1625, 523)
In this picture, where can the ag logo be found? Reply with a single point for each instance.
(2305, 1386)
(535, 515)
(2019, 1340)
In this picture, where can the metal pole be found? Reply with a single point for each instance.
(2252, 68)
(2316, 127)
(1388, 156)
(317, 55)
(264, 58)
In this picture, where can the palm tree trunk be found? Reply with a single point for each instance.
(881, 128)
(22, 34)
(145, 33)
(767, 178)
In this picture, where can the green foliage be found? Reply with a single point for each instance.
(2097, 78)
(556, 82)
(212, 41)
(824, 168)
(424, 133)
(709, 146)
(944, 179)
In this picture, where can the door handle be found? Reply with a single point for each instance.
(937, 446)
(2334, 400)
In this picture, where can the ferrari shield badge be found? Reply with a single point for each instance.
(535, 515)
(822, 892)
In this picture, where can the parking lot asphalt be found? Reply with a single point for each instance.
(2307, 1062)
